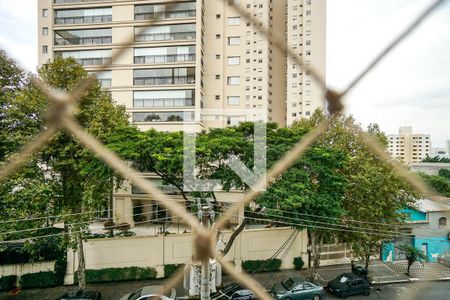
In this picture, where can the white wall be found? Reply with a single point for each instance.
(156, 251)
(21, 269)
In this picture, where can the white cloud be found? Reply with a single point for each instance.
(18, 31)
(411, 86)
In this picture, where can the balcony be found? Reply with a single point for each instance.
(83, 19)
(165, 36)
(94, 61)
(164, 80)
(159, 59)
(163, 102)
(97, 40)
(73, 1)
(165, 15)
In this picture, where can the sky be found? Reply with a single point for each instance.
(411, 87)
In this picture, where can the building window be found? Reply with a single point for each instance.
(234, 2)
(308, 12)
(45, 49)
(44, 30)
(234, 60)
(217, 56)
(160, 11)
(217, 16)
(233, 21)
(217, 97)
(83, 37)
(234, 80)
(217, 76)
(233, 100)
(45, 12)
(165, 33)
(234, 40)
(88, 15)
(442, 222)
(217, 36)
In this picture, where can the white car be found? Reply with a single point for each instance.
(149, 293)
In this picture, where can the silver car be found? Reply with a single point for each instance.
(148, 293)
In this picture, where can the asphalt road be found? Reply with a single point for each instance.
(405, 291)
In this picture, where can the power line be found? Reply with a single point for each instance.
(79, 223)
(73, 214)
(340, 219)
(73, 232)
(374, 230)
(343, 230)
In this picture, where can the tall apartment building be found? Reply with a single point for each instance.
(409, 147)
(195, 57)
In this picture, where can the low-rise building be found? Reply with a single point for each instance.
(429, 231)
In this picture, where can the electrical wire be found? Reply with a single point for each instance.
(80, 223)
(325, 223)
(80, 231)
(339, 219)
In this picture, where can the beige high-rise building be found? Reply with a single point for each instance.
(409, 147)
(196, 56)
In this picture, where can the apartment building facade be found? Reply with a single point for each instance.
(409, 147)
(183, 59)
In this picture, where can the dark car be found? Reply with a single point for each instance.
(297, 289)
(348, 284)
(233, 291)
(81, 295)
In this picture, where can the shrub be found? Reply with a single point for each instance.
(298, 263)
(8, 283)
(38, 280)
(169, 269)
(125, 234)
(119, 274)
(60, 270)
(256, 266)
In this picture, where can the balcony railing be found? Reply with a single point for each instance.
(164, 15)
(163, 102)
(156, 59)
(94, 61)
(83, 19)
(164, 80)
(105, 82)
(83, 41)
(165, 36)
(73, 1)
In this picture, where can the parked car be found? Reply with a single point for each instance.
(81, 295)
(149, 292)
(348, 284)
(296, 288)
(233, 291)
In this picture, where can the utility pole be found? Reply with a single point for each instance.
(205, 272)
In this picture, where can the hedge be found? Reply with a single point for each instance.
(169, 269)
(298, 263)
(8, 283)
(119, 274)
(256, 266)
(38, 280)
(60, 270)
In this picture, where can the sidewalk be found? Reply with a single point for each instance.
(422, 271)
(379, 273)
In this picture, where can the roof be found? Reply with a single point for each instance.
(426, 205)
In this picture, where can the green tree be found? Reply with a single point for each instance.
(76, 181)
(86, 183)
(439, 183)
(412, 255)
(374, 193)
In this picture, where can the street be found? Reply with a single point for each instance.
(404, 291)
